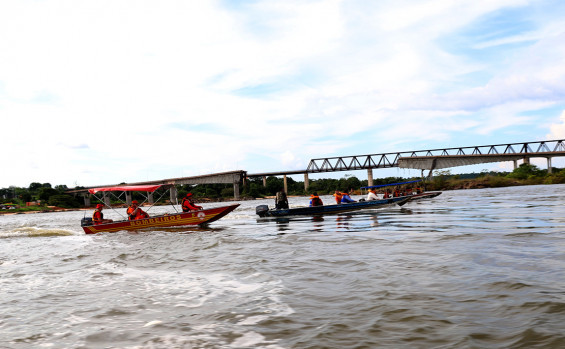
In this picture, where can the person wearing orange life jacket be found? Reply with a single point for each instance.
(98, 216)
(386, 194)
(315, 200)
(189, 205)
(135, 212)
(346, 198)
(338, 195)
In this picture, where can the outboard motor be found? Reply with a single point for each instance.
(262, 210)
(86, 221)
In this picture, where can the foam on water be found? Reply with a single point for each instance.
(34, 232)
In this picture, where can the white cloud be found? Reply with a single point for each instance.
(89, 90)
(558, 130)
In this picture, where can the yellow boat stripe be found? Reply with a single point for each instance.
(148, 224)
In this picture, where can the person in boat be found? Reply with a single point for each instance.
(98, 216)
(372, 195)
(418, 190)
(281, 201)
(386, 194)
(315, 200)
(346, 198)
(135, 212)
(188, 204)
(338, 195)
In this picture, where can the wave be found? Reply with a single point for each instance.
(35, 232)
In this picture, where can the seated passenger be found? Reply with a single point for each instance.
(281, 201)
(135, 212)
(338, 195)
(189, 205)
(386, 194)
(315, 200)
(372, 195)
(98, 216)
(346, 198)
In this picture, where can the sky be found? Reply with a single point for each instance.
(104, 92)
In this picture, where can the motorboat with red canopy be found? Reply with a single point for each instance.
(177, 219)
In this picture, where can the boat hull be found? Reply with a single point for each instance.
(171, 220)
(332, 209)
(426, 195)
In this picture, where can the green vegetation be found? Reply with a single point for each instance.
(43, 195)
(39, 196)
(525, 174)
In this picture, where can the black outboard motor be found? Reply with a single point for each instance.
(262, 210)
(86, 221)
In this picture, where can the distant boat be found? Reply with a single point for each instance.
(200, 217)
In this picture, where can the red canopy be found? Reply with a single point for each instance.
(149, 188)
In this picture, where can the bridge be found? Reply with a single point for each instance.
(431, 159)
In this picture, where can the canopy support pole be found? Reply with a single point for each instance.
(173, 195)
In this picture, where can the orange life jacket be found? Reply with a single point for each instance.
(316, 201)
(338, 197)
(97, 216)
(188, 205)
(136, 213)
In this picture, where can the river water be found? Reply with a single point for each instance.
(478, 268)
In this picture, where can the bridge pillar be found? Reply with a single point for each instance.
(370, 177)
(285, 185)
(106, 198)
(87, 200)
(236, 191)
(173, 195)
(527, 160)
(306, 182)
(515, 164)
(264, 181)
(150, 198)
(128, 198)
(549, 169)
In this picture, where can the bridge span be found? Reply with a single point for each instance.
(431, 159)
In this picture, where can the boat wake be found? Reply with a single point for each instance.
(35, 232)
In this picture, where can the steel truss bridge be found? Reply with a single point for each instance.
(442, 158)
(430, 159)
